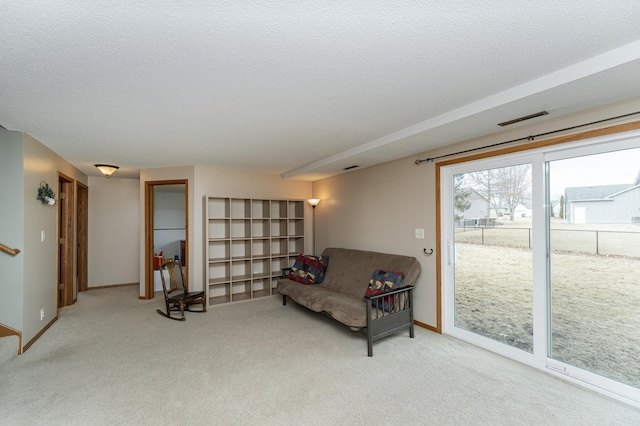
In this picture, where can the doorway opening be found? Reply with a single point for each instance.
(166, 227)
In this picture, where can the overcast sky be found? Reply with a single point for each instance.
(620, 167)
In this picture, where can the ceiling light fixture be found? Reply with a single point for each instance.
(106, 169)
(526, 117)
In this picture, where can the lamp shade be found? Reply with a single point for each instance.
(314, 201)
(107, 169)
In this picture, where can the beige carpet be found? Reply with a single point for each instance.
(111, 359)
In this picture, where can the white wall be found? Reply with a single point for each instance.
(114, 231)
(40, 257)
(219, 182)
(378, 208)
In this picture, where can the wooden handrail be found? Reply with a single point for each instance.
(9, 250)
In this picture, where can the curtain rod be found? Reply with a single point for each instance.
(529, 138)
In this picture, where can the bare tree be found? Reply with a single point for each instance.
(505, 187)
(514, 186)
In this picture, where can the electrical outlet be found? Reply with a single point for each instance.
(420, 233)
(41, 314)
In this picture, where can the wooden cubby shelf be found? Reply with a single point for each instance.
(248, 242)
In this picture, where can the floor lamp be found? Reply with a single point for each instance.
(314, 202)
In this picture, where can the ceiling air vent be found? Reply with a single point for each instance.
(350, 167)
(526, 117)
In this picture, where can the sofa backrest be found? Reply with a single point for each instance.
(349, 271)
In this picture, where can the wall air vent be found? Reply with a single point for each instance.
(526, 117)
(350, 167)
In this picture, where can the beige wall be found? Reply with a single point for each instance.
(378, 208)
(40, 258)
(114, 231)
(219, 182)
(11, 227)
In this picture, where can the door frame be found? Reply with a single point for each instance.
(82, 235)
(66, 295)
(148, 231)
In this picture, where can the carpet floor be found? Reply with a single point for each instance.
(110, 359)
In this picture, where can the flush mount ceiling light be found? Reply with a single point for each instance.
(526, 117)
(106, 169)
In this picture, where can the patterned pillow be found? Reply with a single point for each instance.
(383, 281)
(299, 269)
(309, 269)
(317, 269)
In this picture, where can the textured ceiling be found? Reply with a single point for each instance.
(301, 89)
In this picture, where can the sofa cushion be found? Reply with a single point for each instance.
(299, 268)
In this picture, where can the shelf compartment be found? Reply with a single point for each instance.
(278, 227)
(296, 245)
(240, 270)
(279, 247)
(219, 250)
(278, 263)
(296, 209)
(278, 209)
(260, 209)
(218, 207)
(240, 290)
(240, 249)
(218, 229)
(240, 228)
(219, 272)
(260, 248)
(219, 294)
(240, 208)
(260, 228)
(260, 288)
(261, 268)
(296, 228)
(274, 285)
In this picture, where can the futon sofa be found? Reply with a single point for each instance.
(346, 295)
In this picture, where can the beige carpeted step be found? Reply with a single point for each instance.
(8, 348)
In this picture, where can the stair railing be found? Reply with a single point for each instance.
(9, 250)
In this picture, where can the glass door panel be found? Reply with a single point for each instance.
(594, 231)
(493, 273)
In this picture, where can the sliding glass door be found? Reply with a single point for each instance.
(595, 264)
(541, 258)
(493, 262)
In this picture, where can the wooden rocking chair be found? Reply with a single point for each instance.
(177, 297)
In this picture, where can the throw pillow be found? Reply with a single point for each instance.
(316, 269)
(383, 281)
(299, 269)
(309, 269)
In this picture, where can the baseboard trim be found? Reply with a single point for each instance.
(37, 336)
(5, 331)
(427, 326)
(98, 287)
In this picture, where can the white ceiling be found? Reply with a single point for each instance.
(301, 89)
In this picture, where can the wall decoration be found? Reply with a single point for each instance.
(46, 194)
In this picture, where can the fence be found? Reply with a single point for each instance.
(598, 242)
